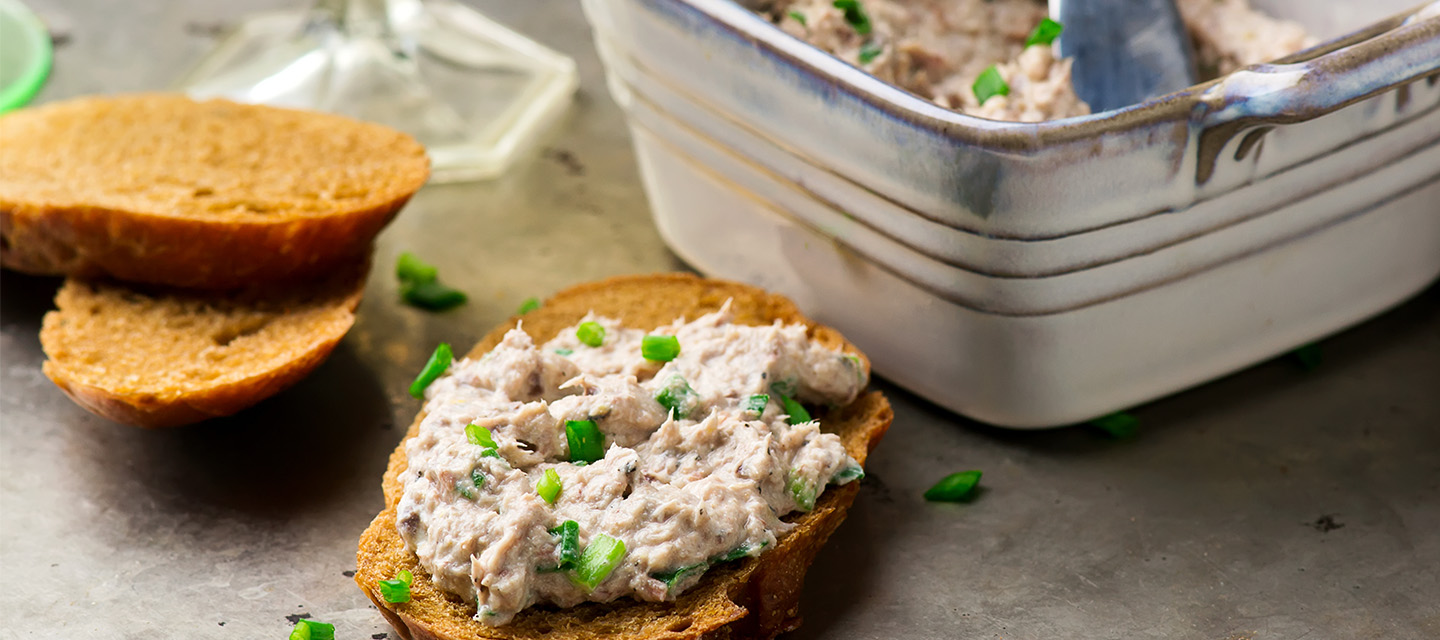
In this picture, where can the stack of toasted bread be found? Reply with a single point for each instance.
(214, 252)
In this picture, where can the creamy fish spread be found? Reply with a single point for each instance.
(696, 461)
(937, 48)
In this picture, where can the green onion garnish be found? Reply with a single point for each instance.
(677, 397)
(477, 478)
(850, 472)
(1118, 425)
(564, 352)
(412, 269)
(1045, 32)
(660, 348)
(956, 487)
(797, 414)
(855, 15)
(590, 334)
(869, 51)
(397, 590)
(799, 17)
(432, 296)
(756, 404)
(801, 492)
(990, 84)
(312, 630)
(465, 489)
(676, 576)
(548, 486)
(599, 559)
(569, 533)
(490, 453)
(439, 362)
(480, 436)
(742, 551)
(587, 444)
(1309, 356)
(530, 304)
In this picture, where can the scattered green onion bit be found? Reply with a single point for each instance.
(660, 348)
(587, 444)
(676, 576)
(756, 404)
(742, 551)
(990, 84)
(850, 472)
(439, 362)
(797, 414)
(420, 286)
(397, 590)
(590, 334)
(802, 492)
(870, 50)
(312, 630)
(1045, 33)
(549, 486)
(677, 397)
(855, 15)
(799, 17)
(480, 436)
(530, 304)
(956, 487)
(477, 478)
(412, 269)
(465, 490)
(600, 558)
(569, 533)
(564, 352)
(1309, 356)
(1118, 425)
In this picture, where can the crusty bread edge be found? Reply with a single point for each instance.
(753, 598)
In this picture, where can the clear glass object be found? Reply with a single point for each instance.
(475, 93)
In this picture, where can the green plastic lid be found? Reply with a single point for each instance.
(25, 54)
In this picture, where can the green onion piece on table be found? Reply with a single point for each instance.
(590, 334)
(480, 436)
(1045, 33)
(855, 15)
(869, 51)
(432, 296)
(756, 404)
(439, 362)
(1118, 425)
(586, 442)
(956, 487)
(412, 269)
(530, 304)
(989, 85)
(797, 414)
(397, 590)
(599, 559)
(660, 348)
(569, 533)
(312, 630)
(549, 486)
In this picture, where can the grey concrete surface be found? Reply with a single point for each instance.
(1273, 504)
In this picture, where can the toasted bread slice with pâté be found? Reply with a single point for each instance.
(163, 189)
(753, 598)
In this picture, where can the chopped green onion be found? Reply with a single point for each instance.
(956, 487)
(439, 362)
(855, 15)
(549, 486)
(587, 444)
(660, 348)
(786, 387)
(797, 414)
(756, 404)
(432, 296)
(1309, 356)
(1044, 33)
(850, 472)
(477, 478)
(990, 84)
(801, 492)
(799, 17)
(742, 551)
(599, 559)
(677, 397)
(530, 304)
(1118, 425)
(465, 489)
(480, 436)
(564, 352)
(569, 533)
(412, 269)
(490, 453)
(397, 590)
(590, 334)
(869, 51)
(312, 630)
(676, 576)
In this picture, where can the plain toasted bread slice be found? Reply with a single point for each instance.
(165, 358)
(162, 189)
(753, 598)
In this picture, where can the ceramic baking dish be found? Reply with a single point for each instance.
(1046, 273)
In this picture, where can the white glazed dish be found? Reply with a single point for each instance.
(1145, 274)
